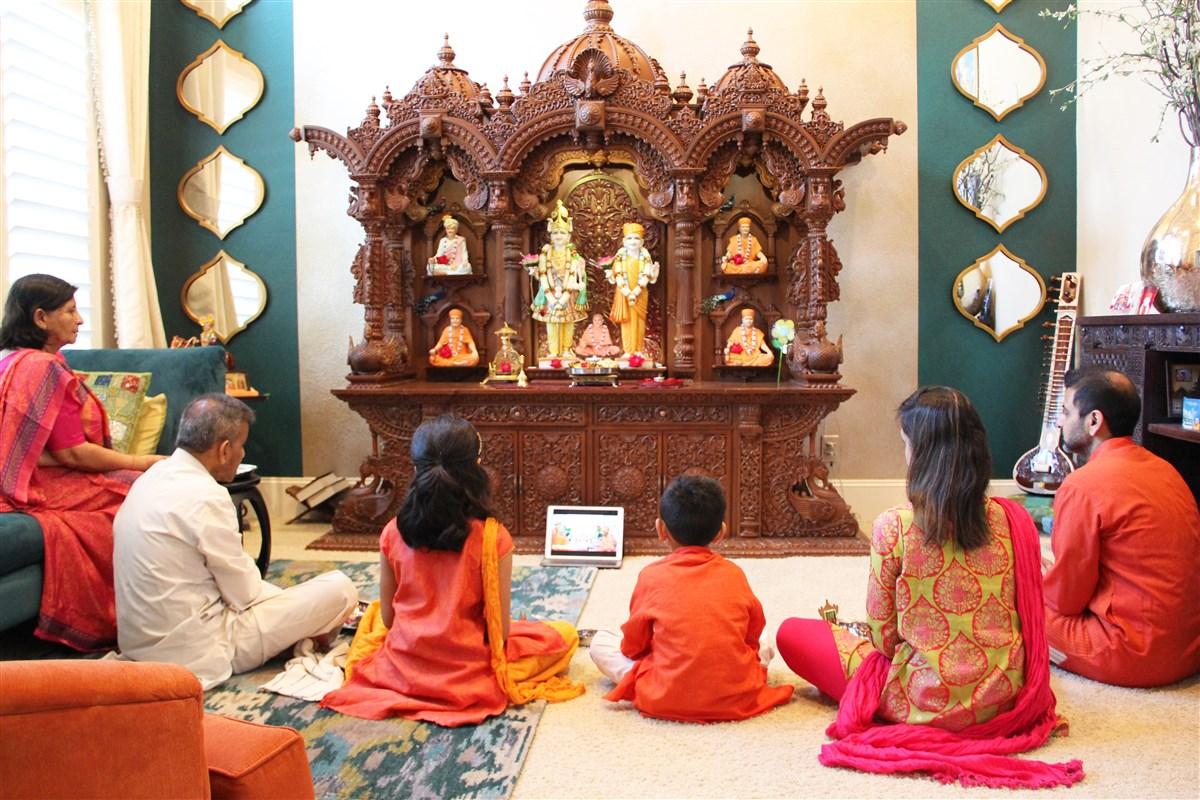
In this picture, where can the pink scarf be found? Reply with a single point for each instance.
(977, 755)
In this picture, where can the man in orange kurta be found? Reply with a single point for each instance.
(690, 649)
(1121, 597)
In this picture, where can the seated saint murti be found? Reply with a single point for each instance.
(455, 347)
(744, 255)
(747, 345)
(596, 341)
(451, 257)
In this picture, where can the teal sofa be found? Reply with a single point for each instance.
(181, 374)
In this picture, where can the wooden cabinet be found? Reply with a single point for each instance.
(550, 445)
(1145, 347)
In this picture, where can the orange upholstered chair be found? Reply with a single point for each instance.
(118, 729)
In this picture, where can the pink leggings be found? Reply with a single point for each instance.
(808, 647)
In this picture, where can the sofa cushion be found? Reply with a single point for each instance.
(180, 373)
(21, 541)
(247, 761)
(121, 394)
(149, 425)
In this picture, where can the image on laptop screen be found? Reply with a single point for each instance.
(584, 535)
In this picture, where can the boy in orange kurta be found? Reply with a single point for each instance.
(690, 649)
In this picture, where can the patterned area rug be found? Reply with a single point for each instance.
(399, 758)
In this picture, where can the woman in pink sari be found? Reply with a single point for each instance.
(56, 464)
(955, 675)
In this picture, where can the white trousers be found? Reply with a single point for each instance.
(272, 625)
(606, 654)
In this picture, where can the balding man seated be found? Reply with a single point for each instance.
(1121, 598)
(186, 591)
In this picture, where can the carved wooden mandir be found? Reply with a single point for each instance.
(602, 130)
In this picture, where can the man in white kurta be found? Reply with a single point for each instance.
(186, 591)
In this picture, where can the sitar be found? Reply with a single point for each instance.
(1043, 469)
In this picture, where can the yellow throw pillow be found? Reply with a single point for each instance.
(121, 394)
(150, 423)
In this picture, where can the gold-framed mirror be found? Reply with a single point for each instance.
(226, 291)
(998, 5)
(221, 191)
(220, 86)
(999, 293)
(1000, 182)
(218, 12)
(998, 71)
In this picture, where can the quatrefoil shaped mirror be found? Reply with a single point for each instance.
(227, 292)
(999, 292)
(221, 191)
(220, 86)
(998, 71)
(218, 12)
(1000, 182)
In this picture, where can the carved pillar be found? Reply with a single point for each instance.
(818, 210)
(397, 323)
(749, 470)
(511, 237)
(684, 218)
(382, 351)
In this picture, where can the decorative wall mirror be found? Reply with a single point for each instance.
(998, 5)
(1000, 182)
(999, 292)
(218, 12)
(220, 86)
(226, 290)
(998, 71)
(221, 191)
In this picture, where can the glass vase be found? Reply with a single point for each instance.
(1171, 254)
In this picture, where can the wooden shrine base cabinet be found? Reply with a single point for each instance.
(548, 444)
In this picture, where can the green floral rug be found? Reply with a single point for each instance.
(399, 758)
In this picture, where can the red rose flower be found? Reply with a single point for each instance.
(444, 351)
(556, 363)
(131, 383)
(735, 348)
(442, 259)
(738, 259)
(505, 368)
(636, 361)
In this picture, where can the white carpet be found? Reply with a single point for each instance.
(1133, 743)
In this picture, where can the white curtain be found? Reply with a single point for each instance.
(121, 54)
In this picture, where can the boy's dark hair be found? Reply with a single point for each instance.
(25, 296)
(950, 467)
(1109, 392)
(693, 508)
(448, 489)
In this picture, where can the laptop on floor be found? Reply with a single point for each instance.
(589, 536)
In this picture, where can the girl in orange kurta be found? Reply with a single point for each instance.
(690, 649)
(445, 573)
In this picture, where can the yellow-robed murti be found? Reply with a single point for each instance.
(632, 271)
(747, 345)
(744, 255)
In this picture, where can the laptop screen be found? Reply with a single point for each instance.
(583, 532)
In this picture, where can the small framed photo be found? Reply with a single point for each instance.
(1183, 380)
(236, 382)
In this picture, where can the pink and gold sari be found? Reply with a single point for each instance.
(74, 509)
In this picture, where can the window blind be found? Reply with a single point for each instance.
(47, 151)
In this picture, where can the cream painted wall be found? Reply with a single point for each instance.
(343, 59)
(1125, 181)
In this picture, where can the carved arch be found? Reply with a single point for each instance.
(334, 144)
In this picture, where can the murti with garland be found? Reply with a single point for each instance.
(632, 270)
(744, 255)
(747, 345)
(456, 346)
(561, 298)
(451, 257)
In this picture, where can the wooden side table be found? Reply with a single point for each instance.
(242, 490)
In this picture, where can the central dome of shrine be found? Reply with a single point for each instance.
(599, 35)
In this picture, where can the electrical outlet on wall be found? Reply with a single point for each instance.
(829, 449)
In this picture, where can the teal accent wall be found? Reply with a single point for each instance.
(268, 350)
(1001, 378)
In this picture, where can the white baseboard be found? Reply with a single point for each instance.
(279, 503)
